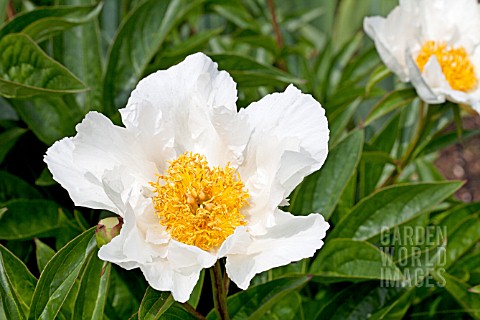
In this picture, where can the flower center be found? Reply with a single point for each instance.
(455, 64)
(197, 204)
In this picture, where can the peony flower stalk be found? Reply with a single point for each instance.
(195, 180)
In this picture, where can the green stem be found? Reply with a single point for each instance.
(192, 311)
(219, 296)
(407, 156)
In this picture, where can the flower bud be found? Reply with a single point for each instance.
(107, 229)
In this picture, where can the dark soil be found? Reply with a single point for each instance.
(462, 162)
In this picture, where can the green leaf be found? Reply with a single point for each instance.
(339, 119)
(12, 187)
(80, 51)
(41, 23)
(154, 304)
(16, 285)
(248, 72)
(380, 73)
(59, 275)
(45, 179)
(235, 12)
(391, 207)
(177, 312)
(321, 191)
(26, 219)
(254, 302)
(44, 254)
(92, 294)
(289, 308)
(357, 301)
(25, 70)
(462, 239)
(121, 301)
(447, 139)
(460, 291)
(345, 259)
(51, 118)
(197, 291)
(8, 140)
(392, 101)
(135, 45)
(177, 52)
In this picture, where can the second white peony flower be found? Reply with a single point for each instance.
(435, 44)
(194, 180)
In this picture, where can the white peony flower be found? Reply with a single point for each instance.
(435, 44)
(195, 180)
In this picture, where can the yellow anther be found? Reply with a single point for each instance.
(197, 204)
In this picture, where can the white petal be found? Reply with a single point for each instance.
(392, 35)
(79, 163)
(181, 256)
(289, 141)
(162, 277)
(423, 89)
(178, 110)
(292, 239)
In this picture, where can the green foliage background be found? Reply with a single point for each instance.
(61, 59)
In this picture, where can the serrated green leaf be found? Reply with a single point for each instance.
(392, 101)
(16, 285)
(12, 187)
(391, 207)
(254, 302)
(26, 219)
(25, 70)
(92, 294)
(8, 140)
(43, 253)
(59, 275)
(321, 191)
(136, 43)
(41, 23)
(345, 259)
(154, 304)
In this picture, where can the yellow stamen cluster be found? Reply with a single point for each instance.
(197, 204)
(455, 64)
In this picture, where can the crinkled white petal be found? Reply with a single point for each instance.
(289, 141)
(189, 107)
(293, 238)
(80, 163)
